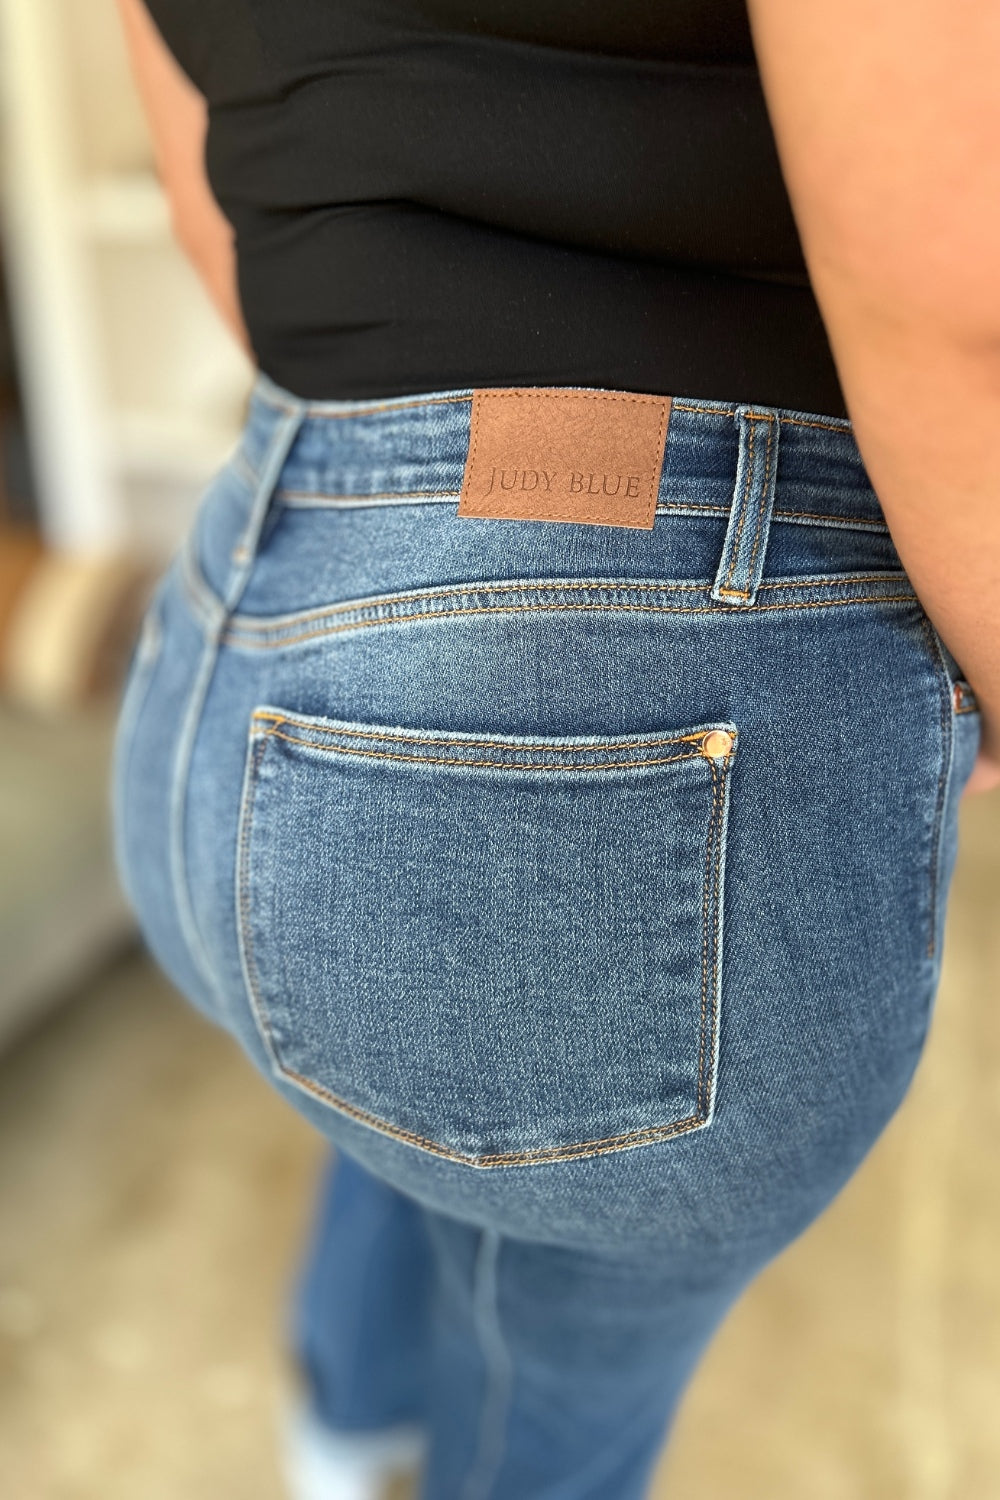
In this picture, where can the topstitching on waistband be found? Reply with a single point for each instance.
(422, 459)
(271, 394)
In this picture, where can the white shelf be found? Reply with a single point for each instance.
(134, 389)
(169, 444)
(123, 208)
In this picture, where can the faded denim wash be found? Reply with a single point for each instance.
(584, 885)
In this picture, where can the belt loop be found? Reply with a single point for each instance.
(278, 447)
(741, 567)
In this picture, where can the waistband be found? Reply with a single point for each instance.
(405, 450)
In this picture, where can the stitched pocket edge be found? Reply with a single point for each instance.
(711, 952)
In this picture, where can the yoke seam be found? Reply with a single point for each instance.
(291, 497)
(529, 585)
(233, 636)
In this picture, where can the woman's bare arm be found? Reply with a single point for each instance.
(887, 118)
(178, 116)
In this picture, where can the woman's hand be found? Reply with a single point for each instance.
(986, 771)
(985, 775)
(887, 121)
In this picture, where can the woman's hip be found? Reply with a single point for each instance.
(584, 880)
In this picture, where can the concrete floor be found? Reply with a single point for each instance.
(153, 1192)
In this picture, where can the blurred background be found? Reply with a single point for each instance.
(153, 1192)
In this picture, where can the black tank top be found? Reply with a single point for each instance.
(430, 194)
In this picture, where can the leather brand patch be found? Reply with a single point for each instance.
(541, 453)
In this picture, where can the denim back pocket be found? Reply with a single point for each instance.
(500, 949)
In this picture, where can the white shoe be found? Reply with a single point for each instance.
(321, 1464)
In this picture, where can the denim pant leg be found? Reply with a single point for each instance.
(557, 1373)
(360, 1313)
(531, 1366)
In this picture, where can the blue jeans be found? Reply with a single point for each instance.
(585, 885)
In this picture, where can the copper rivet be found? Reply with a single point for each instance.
(718, 742)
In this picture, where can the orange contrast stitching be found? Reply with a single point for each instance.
(654, 485)
(500, 1158)
(704, 937)
(473, 446)
(826, 583)
(716, 944)
(640, 398)
(598, 1147)
(458, 761)
(823, 515)
(730, 411)
(413, 739)
(250, 623)
(675, 609)
(811, 515)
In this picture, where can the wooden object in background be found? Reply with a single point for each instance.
(21, 551)
(134, 390)
(68, 634)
